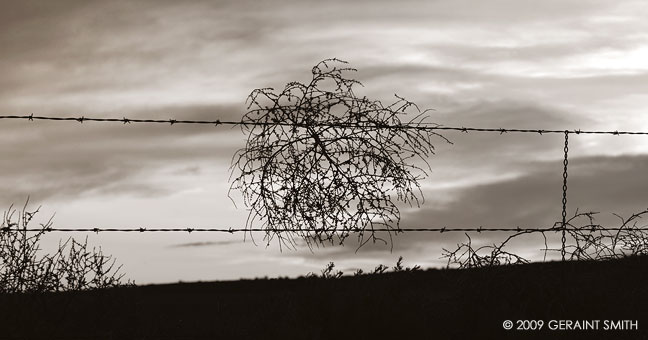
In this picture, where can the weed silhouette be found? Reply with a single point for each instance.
(72, 266)
(329, 273)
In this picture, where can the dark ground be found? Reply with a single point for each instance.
(434, 304)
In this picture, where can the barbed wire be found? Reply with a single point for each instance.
(558, 228)
(420, 126)
(363, 125)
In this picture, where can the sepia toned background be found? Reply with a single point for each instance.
(501, 64)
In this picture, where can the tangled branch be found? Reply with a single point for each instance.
(592, 241)
(322, 162)
(467, 256)
(586, 240)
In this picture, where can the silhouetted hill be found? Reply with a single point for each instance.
(433, 304)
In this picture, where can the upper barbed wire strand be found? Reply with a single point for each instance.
(418, 126)
(237, 230)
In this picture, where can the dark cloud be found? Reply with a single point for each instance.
(81, 54)
(603, 184)
(479, 157)
(204, 244)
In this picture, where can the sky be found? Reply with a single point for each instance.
(568, 64)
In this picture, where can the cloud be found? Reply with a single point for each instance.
(204, 244)
(553, 64)
(605, 184)
(120, 52)
(46, 159)
(98, 54)
(97, 57)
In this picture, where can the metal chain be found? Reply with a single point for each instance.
(564, 199)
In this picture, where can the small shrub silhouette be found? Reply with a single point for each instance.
(329, 273)
(320, 162)
(399, 266)
(381, 268)
(73, 266)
